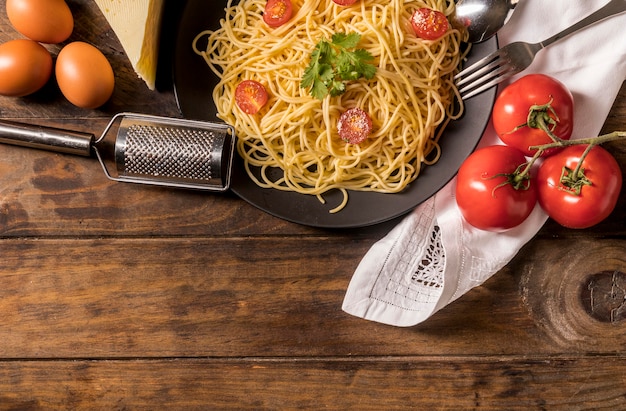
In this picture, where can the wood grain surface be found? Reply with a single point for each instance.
(122, 297)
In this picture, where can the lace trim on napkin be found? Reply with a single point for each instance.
(412, 275)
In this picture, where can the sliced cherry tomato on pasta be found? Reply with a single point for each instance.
(354, 126)
(250, 96)
(277, 12)
(344, 2)
(429, 24)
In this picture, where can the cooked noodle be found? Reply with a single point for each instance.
(409, 99)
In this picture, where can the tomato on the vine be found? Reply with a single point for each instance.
(586, 199)
(528, 104)
(491, 192)
(429, 24)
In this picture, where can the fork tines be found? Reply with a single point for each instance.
(484, 74)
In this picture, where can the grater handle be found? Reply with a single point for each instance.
(46, 138)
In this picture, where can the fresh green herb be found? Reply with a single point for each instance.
(335, 63)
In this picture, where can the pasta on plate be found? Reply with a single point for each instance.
(410, 98)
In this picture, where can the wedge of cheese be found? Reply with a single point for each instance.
(136, 24)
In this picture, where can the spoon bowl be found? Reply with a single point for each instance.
(483, 18)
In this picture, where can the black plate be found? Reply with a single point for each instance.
(193, 86)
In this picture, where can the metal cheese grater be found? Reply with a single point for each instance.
(147, 149)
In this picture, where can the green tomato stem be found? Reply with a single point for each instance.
(539, 117)
(616, 135)
(525, 168)
(576, 173)
(560, 143)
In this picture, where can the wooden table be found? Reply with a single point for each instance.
(121, 296)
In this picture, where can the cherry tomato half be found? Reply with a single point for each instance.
(250, 96)
(511, 112)
(344, 2)
(485, 197)
(354, 126)
(429, 24)
(277, 12)
(598, 193)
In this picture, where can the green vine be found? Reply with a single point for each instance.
(574, 179)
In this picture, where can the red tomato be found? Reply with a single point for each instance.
(598, 193)
(429, 24)
(277, 12)
(354, 126)
(344, 2)
(511, 112)
(486, 193)
(250, 96)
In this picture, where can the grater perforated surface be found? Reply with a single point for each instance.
(170, 152)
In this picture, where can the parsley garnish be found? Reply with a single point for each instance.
(333, 64)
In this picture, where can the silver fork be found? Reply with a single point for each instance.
(516, 57)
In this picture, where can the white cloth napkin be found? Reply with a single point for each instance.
(432, 257)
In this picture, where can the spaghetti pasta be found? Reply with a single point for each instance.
(410, 99)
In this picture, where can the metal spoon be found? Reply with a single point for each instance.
(483, 18)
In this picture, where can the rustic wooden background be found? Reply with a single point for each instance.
(118, 296)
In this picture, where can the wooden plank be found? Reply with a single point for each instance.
(118, 296)
(43, 193)
(249, 296)
(577, 297)
(537, 383)
(50, 194)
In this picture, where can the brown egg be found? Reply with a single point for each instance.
(45, 21)
(84, 75)
(25, 67)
